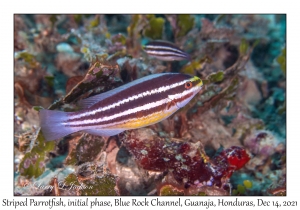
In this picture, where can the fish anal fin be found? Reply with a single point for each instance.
(104, 132)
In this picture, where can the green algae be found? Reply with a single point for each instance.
(93, 57)
(195, 65)
(239, 191)
(150, 16)
(26, 56)
(215, 77)
(232, 87)
(242, 189)
(70, 179)
(50, 80)
(244, 46)
(119, 38)
(191, 67)
(37, 108)
(247, 184)
(95, 22)
(169, 190)
(33, 162)
(98, 186)
(131, 29)
(78, 18)
(101, 186)
(282, 108)
(185, 24)
(281, 60)
(155, 28)
(53, 19)
(29, 59)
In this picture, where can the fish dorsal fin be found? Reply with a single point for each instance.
(88, 102)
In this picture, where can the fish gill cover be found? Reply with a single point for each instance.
(228, 140)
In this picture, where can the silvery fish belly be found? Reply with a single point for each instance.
(140, 103)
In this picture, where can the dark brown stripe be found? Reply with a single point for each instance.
(137, 114)
(125, 117)
(170, 54)
(183, 98)
(131, 104)
(169, 50)
(162, 43)
(135, 90)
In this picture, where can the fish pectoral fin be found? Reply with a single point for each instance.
(170, 103)
(104, 132)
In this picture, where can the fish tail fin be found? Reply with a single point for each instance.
(188, 57)
(51, 124)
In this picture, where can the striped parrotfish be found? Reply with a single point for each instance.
(140, 103)
(165, 51)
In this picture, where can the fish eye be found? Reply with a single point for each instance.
(188, 85)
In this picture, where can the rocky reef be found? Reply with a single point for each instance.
(230, 139)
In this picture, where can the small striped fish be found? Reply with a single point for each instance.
(137, 104)
(165, 51)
